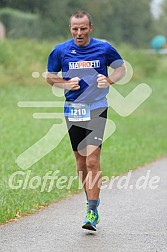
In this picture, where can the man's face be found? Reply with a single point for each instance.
(80, 30)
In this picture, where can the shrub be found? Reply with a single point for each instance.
(19, 24)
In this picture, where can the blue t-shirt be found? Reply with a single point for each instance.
(85, 62)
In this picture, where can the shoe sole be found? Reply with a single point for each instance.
(88, 226)
(98, 220)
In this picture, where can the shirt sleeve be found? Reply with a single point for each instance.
(54, 61)
(113, 58)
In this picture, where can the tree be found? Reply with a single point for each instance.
(160, 24)
(121, 21)
(131, 21)
(24, 5)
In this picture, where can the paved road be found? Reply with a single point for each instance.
(132, 220)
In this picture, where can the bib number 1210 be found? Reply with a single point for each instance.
(75, 112)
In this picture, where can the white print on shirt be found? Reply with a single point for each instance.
(73, 51)
(84, 64)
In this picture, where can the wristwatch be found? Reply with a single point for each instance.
(109, 81)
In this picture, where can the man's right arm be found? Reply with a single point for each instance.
(55, 80)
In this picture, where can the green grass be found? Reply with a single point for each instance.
(139, 138)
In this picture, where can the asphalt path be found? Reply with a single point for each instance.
(133, 219)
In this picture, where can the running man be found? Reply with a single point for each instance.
(84, 63)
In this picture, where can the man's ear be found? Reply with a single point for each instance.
(91, 28)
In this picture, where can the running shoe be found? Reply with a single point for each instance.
(91, 220)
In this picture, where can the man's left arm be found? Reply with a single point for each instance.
(117, 74)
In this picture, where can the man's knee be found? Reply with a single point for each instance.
(80, 161)
(93, 160)
(92, 163)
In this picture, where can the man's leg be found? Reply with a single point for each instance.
(93, 180)
(81, 169)
(93, 183)
(89, 171)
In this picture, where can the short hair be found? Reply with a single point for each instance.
(80, 14)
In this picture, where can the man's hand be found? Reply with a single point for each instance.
(72, 84)
(55, 80)
(103, 81)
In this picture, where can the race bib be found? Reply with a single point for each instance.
(78, 112)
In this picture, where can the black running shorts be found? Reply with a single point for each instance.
(88, 132)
